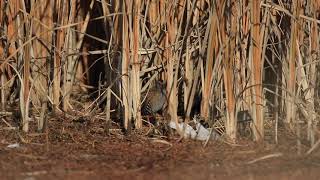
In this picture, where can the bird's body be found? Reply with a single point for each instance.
(154, 100)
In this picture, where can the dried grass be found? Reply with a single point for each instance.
(236, 55)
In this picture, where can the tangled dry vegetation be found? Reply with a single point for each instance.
(248, 66)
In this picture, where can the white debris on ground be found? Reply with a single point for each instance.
(14, 145)
(200, 133)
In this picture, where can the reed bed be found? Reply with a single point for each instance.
(261, 56)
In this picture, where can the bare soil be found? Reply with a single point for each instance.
(71, 149)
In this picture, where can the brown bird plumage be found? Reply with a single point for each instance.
(154, 100)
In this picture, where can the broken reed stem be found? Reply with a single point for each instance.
(107, 110)
(42, 118)
(298, 131)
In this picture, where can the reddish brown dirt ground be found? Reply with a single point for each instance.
(82, 150)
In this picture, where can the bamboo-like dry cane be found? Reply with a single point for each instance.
(125, 84)
(60, 8)
(188, 72)
(135, 75)
(69, 67)
(165, 37)
(3, 51)
(24, 101)
(257, 67)
(70, 43)
(290, 113)
(230, 123)
(302, 82)
(172, 76)
(40, 48)
(314, 47)
(211, 52)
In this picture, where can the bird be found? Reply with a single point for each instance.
(154, 99)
